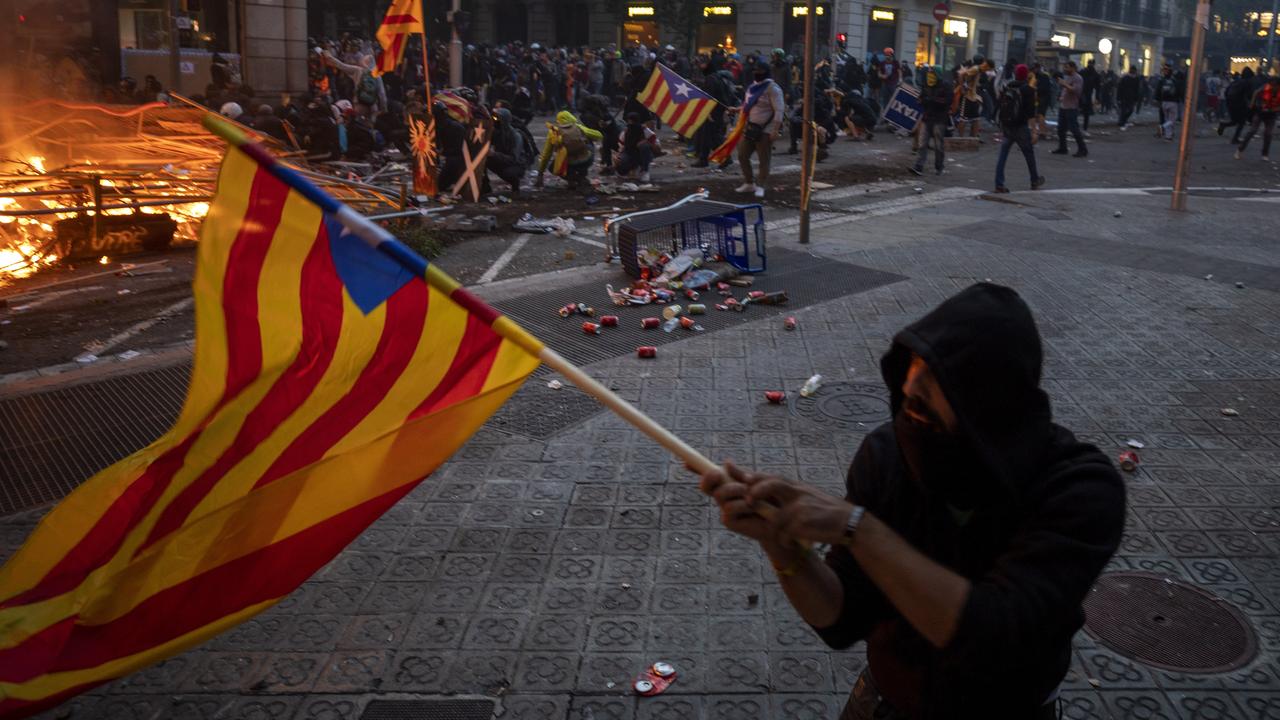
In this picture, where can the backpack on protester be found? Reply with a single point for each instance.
(1010, 111)
(367, 89)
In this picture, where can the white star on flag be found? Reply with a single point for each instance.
(683, 89)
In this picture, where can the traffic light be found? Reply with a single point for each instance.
(842, 40)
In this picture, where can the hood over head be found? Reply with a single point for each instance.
(566, 118)
(983, 348)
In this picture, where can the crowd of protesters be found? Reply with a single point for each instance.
(591, 93)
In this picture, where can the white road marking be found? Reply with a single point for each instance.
(586, 240)
(35, 301)
(878, 209)
(860, 190)
(504, 259)
(96, 348)
(1149, 190)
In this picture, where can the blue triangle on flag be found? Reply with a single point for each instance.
(369, 275)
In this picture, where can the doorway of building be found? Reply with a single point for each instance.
(882, 30)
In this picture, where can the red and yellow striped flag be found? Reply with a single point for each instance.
(403, 18)
(328, 381)
(680, 103)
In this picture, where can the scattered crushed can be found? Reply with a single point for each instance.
(789, 323)
(697, 309)
(650, 323)
(609, 320)
(777, 297)
(588, 311)
(647, 351)
(686, 322)
(756, 294)
(590, 328)
(775, 396)
(655, 678)
(1128, 461)
(568, 310)
(671, 311)
(720, 306)
(691, 294)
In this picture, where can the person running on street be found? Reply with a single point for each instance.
(1014, 110)
(1128, 93)
(1265, 104)
(1239, 95)
(1069, 98)
(1169, 95)
(936, 102)
(765, 108)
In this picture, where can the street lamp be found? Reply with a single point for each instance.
(1104, 46)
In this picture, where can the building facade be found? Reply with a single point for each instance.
(1113, 33)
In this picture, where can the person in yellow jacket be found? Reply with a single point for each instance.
(569, 150)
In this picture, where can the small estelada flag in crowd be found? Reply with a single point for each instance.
(331, 376)
(680, 104)
(403, 18)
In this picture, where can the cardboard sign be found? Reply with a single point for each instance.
(904, 110)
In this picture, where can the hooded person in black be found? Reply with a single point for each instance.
(971, 531)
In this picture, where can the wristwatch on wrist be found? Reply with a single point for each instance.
(851, 525)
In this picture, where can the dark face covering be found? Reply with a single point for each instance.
(759, 76)
(944, 464)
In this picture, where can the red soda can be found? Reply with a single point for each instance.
(789, 323)
(755, 294)
(609, 320)
(646, 351)
(775, 396)
(723, 288)
(686, 322)
(590, 328)
(721, 307)
(568, 310)
(691, 293)
(729, 301)
(651, 323)
(1129, 461)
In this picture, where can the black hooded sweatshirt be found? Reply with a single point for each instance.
(1031, 552)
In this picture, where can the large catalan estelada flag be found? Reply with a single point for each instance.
(403, 18)
(330, 378)
(680, 104)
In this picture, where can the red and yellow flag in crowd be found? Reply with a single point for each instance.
(680, 103)
(329, 379)
(403, 18)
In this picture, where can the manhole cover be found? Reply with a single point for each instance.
(1168, 624)
(538, 412)
(849, 406)
(452, 709)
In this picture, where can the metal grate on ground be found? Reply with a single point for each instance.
(806, 278)
(51, 442)
(442, 709)
(1168, 624)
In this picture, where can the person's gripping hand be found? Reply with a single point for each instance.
(800, 511)
(729, 487)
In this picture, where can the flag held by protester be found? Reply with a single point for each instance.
(754, 92)
(680, 103)
(328, 381)
(403, 18)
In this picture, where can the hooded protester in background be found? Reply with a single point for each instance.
(569, 151)
(971, 529)
(508, 158)
(935, 101)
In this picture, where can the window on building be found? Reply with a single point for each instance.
(511, 22)
(718, 28)
(640, 26)
(793, 28)
(572, 20)
(984, 44)
(955, 42)
(882, 30)
(924, 44)
(1019, 39)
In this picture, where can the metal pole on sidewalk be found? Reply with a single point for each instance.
(1189, 108)
(806, 165)
(1271, 36)
(175, 52)
(455, 47)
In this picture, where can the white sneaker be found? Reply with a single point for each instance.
(759, 193)
(1238, 155)
(745, 188)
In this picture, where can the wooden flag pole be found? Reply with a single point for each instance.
(379, 238)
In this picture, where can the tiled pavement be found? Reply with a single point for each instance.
(547, 574)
